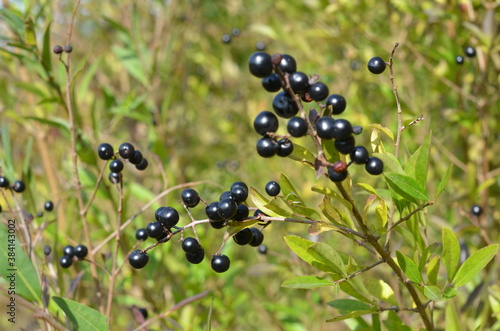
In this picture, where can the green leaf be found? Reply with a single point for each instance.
(409, 268)
(351, 315)
(47, 50)
(451, 252)
(347, 305)
(81, 316)
(432, 293)
(450, 292)
(16, 265)
(433, 269)
(306, 282)
(444, 182)
(29, 33)
(300, 247)
(452, 322)
(383, 129)
(318, 227)
(382, 214)
(368, 188)
(289, 190)
(130, 60)
(14, 20)
(264, 204)
(391, 164)
(426, 254)
(302, 155)
(327, 259)
(406, 187)
(474, 264)
(380, 290)
(417, 165)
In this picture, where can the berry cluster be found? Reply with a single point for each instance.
(69, 254)
(18, 186)
(48, 206)
(126, 151)
(279, 72)
(469, 52)
(230, 209)
(58, 49)
(226, 37)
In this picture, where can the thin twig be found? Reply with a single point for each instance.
(407, 217)
(359, 272)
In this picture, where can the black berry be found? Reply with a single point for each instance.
(260, 45)
(297, 127)
(116, 166)
(324, 127)
(260, 64)
(154, 229)
(66, 261)
(39, 214)
(262, 249)
(217, 224)
(272, 83)
(374, 166)
(476, 210)
(227, 208)
(318, 91)
(4, 182)
(244, 237)
(287, 64)
(190, 245)
(359, 155)
(267, 147)
(459, 59)
(235, 32)
(47, 250)
(342, 129)
(376, 65)
(258, 237)
(220, 263)
(69, 251)
(345, 146)
(167, 216)
(81, 251)
(141, 234)
(126, 150)
(226, 195)
(136, 158)
(68, 48)
(196, 257)
(241, 214)
(48, 206)
(212, 212)
(115, 177)
(138, 259)
(470, 51)
(105, 151)
(273, 188)
(143, 165)
(58, 49)
(239, 193)
(299, 82)
(226, 38)
(337, 103)
(18, 186)
(265, 122)
(284, 105)
(190, 197)
(285, 147)
(336, 176)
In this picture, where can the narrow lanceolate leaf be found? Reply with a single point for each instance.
(433, 269)
(302, 155)
(444, 182)
(368, 188)
(417, 165)
(17, 267)
(350, 315)
(81, 316)
(380, 290)
(274, 207)
(382, 214)
(451, 252)
(474, 264)
(432, 293)
(383, 129)
(452, 322)
(348, 305)
(406, 187)
(300, 247)
(289, 190)
(327, 258)
(409, 268)
(46, 51)
(306, 282)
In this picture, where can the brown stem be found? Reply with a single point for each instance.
(359, 272)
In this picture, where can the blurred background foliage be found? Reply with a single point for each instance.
(158, 74)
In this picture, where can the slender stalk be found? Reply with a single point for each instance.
(359, 272)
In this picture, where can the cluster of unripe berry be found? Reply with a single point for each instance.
(231, 207)
(279, 71)
(126, 151)
(469, 52)
(70, 253)
(18, 186)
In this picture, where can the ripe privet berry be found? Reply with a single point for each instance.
(226, 38)
(359, 155)
(68, 250)
(143, 165)
(345, 146)
(197, 256)
(260, 64)
(220, 263)
(288, 64)
(47, 250)
(265, 122)
(239, 184)
(138, 259)
(476, 210)
(318, 91)
(336, 176)
(357, 129)
(267, 147)
(258, 237)
(162, 236)
(105, 151)
(154, 229)
(4, 182)
(273, 188)
(374, 166)
(342, 129)
(227, 208)
(459, 59)
(226, 195)
(272, 83)
(244, 237)
(136, 158)
(116, 166)
(190, 197)
(126, 150)
(324, 127)
(212, 212)
(285, 147)
(217, 224)
(66, 261)
(241, 213)
(470, 51)
(297, 127)
(284, 105)
(141, 234)
(144, 312)
(39, 214)
(18, 186)
(115, 177)
(376, 65)
(48, 206)
(81, 251)
(167, 216)
(190, 245)
(260, 45)
(299, 82)
(68, 48)
(235, 32)
(58, 49)
(239, 193)
(262, 249)
(337, 103)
